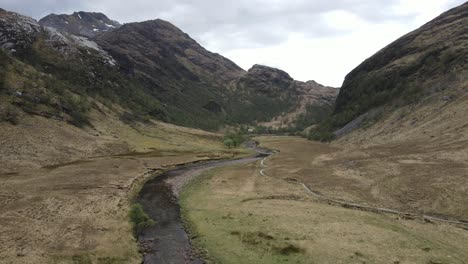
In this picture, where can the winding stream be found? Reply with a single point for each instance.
(167, 241)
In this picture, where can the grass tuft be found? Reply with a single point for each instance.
(289, 249)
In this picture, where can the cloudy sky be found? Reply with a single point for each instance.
(310, 39)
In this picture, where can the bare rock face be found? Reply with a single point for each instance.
(17, 32)
(267, 80)
(81, 23)
(314, 92)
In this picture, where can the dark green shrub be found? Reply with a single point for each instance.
(229, 143)
(234, 138)
(139, 218)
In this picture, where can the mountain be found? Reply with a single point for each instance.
(201, 81)
(175, 69)
(87, 24)
(57, 75)
(148, 69)
(425, 69)
(149, 45)
(307, 103)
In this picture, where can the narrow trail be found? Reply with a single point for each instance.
(364, 207)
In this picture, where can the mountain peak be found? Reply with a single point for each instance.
(81, 23)
(270, 75)
(160, 28)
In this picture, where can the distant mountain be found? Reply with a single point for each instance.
(149, 69)
(425, 67)
(306, 103)
(87, 24)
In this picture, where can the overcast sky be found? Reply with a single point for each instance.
(310, 39)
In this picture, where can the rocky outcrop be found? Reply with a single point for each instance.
(266, 80)
(293, 100)
(17, 32)
(313, 92)
(87, 24)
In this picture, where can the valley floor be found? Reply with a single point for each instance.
(237, 215)
(65, 192)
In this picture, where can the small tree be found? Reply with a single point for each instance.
(229, 143)
(234, 138)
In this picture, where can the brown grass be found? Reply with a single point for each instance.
(412, 176)
(228, 208)
(65, 192)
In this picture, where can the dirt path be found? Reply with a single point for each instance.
(167, 241)
(364, 207)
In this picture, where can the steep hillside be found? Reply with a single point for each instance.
(85, 24)
(175, 69)
(48, 73)
(152, 69)
(425, 69)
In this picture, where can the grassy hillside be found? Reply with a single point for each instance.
(66, 191)
(421, 68)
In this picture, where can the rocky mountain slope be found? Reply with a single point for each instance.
(312, 101)
(85, 24)
(176, 70)
(414, 80)
(45, 72)
(149, 69)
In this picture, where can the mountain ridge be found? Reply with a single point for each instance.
(152, 68)
(87, 24)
